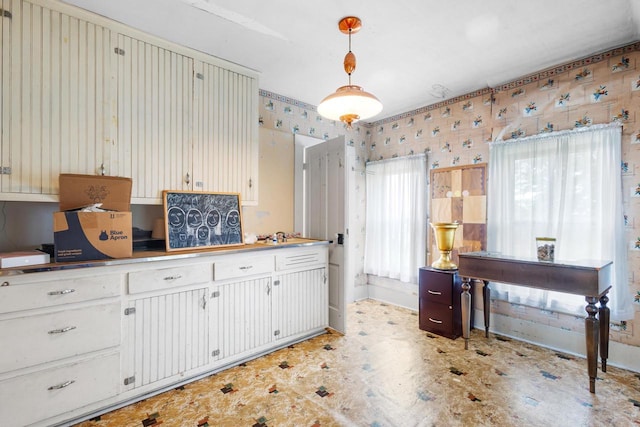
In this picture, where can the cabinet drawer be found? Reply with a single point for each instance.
(20, 295)
(300, 258)
(168, 278)
(238, 268)
(437, 318)
(53, 336)
(57, 390)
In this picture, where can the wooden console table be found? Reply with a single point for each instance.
(592, 279)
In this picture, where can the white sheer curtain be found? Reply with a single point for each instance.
(396, 218)
(565, 185)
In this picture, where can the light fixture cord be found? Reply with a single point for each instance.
(349, 52)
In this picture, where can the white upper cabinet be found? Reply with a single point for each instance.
(155, 90)
(226, 131)
(83, 94)
(56, 99)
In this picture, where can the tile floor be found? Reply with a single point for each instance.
(387, 372)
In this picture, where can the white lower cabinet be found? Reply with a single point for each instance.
(167, 337)
(299, 302)
(61, 339)
(240, 318)
(84, 341)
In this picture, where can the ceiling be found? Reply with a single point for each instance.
(410, 53)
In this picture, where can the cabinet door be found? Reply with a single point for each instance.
(154, 114)
(167, 336)
(226, 131)
(240, 317)
(300, 302)
(56, 113)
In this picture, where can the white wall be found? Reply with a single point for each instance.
(26, 225)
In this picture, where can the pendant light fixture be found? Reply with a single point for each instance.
(349, 103)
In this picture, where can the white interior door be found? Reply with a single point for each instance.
(326, 213)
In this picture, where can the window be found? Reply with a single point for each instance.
(565, 185)
(396, 218)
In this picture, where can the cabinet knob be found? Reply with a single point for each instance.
(187, 179)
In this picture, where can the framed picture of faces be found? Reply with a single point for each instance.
(198, 220)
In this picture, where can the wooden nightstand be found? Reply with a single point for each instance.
(439, 302)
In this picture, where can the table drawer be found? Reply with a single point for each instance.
(33, 340)
(57, 390)
(238, 268)
(169, 278)
(17, 295)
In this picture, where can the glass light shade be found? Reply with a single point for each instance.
(350, 101)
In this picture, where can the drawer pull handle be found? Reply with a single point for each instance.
(62, 292)
(434, 292)
(62, 330)
(173, 277)
(247, 267)
(63, 385)
(435, 321)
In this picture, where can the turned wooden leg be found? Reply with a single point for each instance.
(603, 315)
(465, 299)
(486, 306)
(591, 327)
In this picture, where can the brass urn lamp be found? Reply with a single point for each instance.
(444, 233)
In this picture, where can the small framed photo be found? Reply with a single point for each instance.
(198, 220)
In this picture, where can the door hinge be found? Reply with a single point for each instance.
(129, 310)
(215, 294)
(130, 380)
(6, 13)
(276, 283)
(5, 170)
(119, 51)
(215, 353)
(200, 76)
(276, 332)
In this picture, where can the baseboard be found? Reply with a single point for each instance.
(405, 295)
(571, 342)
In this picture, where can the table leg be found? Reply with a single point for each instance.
(603, 316)
(465, 298)
(486, 306)
(591, 327)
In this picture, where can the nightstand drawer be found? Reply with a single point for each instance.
(437, 318)
(437, 286)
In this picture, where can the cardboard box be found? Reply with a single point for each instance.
(78, 191)
(81, 236)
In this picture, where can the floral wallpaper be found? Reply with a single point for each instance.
(601, 88)
(289, 115)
